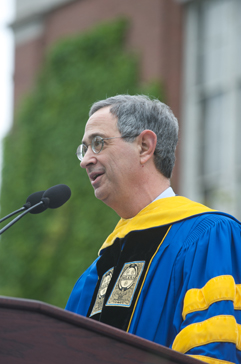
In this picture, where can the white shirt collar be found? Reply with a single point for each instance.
(167, 193)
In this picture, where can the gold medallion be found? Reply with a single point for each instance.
(101, 292)
(126, 284)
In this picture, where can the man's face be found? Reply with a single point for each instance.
(113, 172)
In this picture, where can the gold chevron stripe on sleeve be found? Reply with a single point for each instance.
(216, 289)
(210, 360)
(223, 328)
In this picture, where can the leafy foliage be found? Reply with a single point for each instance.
(42, 256)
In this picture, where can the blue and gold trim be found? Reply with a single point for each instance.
(216, 289)
(164, 211)
(223, 328)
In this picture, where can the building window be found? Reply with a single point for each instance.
(211, 135)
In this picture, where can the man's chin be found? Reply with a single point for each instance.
(103, 196)
(99, 193)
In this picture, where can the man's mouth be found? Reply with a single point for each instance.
(95, 176)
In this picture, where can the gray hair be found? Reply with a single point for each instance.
(139, 112)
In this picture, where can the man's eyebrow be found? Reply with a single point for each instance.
(91, 136)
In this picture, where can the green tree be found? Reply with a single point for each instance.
(42, 256)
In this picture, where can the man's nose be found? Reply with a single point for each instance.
(89, 158)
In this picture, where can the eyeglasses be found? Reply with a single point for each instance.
(96, 144)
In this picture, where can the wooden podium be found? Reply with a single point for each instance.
(33, 332)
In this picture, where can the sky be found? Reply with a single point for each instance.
(6, 69)
(6, 65)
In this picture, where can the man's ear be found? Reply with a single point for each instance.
(147, 144)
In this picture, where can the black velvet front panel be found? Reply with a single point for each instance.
(129, 257)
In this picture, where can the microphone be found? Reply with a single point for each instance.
(56, 196)
(53, 198)
(33, 199)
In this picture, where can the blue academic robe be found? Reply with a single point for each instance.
(183, 292)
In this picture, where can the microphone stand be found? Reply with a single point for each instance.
(19, 216)
(12, 213)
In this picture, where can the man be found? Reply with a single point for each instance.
(170, 272)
